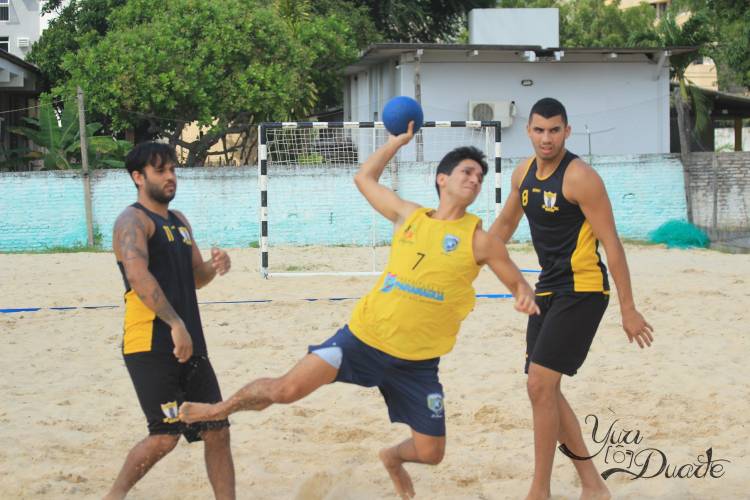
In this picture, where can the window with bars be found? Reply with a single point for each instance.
(4, 11)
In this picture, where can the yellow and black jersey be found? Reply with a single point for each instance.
(563, 239)
(170, 261)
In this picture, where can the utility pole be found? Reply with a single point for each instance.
(85, 169)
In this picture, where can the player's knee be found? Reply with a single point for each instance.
(162, 444)
(540, 390)
(216, 437)
(285, 391)
(431, 454)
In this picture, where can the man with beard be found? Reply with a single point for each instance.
(163, 344)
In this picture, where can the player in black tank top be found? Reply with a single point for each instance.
(163, 344)
(562, 237)
(569, 213)
(170, 261)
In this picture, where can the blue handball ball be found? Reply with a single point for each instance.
(399, 111)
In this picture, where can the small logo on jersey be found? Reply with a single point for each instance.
(408, 236)
(435, 404)
(185, 235)
(549, 202)
(450, 243)
(170, 411)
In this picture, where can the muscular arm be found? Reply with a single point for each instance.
(130, 243)
(583, 185)
(490, 250)
(367, 180)
(507, 222)
(205, 271)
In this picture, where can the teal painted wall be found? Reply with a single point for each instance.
(309, 205)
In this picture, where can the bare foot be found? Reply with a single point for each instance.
(199, 412)
(399, 476)
(599, 493)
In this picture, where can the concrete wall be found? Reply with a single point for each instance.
(308, 205)
(622, 104)
(719, 193)
(23, 21)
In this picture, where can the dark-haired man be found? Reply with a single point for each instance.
(398, 331)
(569, 213)
(163, 344)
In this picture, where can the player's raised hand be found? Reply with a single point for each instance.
(220, 261)
(637, 328)
(402, 139)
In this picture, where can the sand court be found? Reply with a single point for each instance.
(69, 412)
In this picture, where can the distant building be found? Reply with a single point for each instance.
(617, 98)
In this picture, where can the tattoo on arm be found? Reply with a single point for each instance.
(131, 237)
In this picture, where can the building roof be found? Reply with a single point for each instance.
(19, 62)
(439, 52)
(727, 105)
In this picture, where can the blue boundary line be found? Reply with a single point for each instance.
(13, 310)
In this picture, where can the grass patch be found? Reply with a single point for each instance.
(61, 249)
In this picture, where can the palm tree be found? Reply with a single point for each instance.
(689, 102)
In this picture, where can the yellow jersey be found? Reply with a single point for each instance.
(418, 303)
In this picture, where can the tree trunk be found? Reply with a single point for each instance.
(683, 123)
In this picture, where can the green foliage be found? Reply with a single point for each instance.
(419, 21)
(61, 139)
(14, 159)
(225, 65)
(729, 22)
(598, 23)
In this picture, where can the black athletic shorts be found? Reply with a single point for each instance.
(163, 384)
(560, 337)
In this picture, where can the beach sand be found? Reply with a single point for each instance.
(69, 414)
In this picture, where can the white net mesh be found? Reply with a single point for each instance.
(312, 199)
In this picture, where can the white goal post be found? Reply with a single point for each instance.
(307, 193)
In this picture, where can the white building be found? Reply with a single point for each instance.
(20, 26)
(617, 99)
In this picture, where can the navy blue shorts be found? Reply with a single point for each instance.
(411, 389)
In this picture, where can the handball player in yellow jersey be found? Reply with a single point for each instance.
(399, 330)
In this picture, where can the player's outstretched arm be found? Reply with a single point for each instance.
(583, 185)
(205, 271)
(506, 223)
(367, 179)
(130, 243)
(490, 250)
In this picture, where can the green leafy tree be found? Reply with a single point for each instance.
(419, 21)
(693, 113)
(598, 23)
(729, 22)
(61, 139)
(226, 65)
(76, 19)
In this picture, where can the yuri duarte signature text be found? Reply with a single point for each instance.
(617, 447)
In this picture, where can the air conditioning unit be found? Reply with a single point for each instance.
(23, 42)
(502, 111)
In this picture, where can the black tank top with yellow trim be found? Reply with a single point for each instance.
(565, 244)
(170, 261)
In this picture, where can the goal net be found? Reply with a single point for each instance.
(308, 198)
